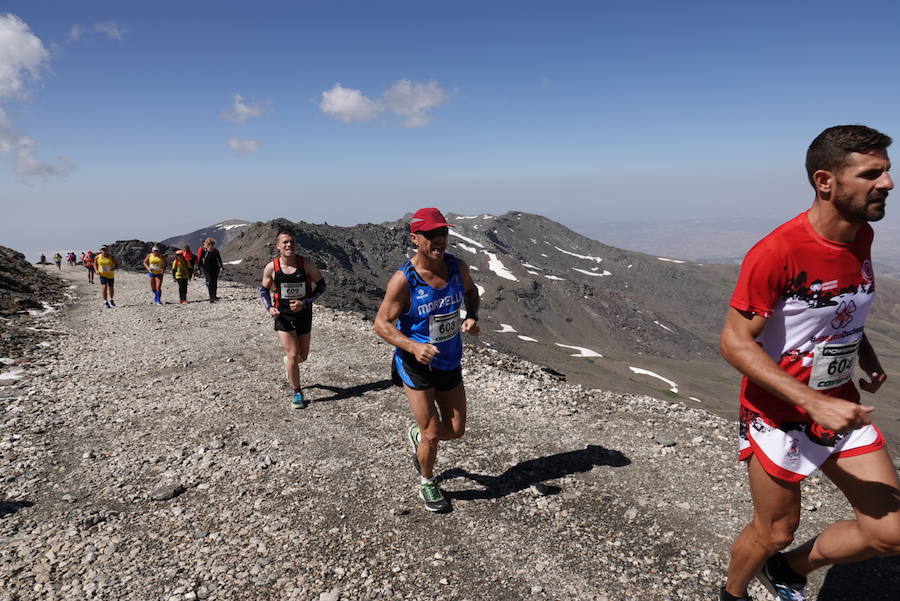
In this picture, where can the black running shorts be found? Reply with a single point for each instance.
(295, 322)
(405, 370)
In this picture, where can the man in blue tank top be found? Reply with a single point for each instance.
(424, 297)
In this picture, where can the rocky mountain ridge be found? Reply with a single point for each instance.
(26, 292)
(603, 316)
(221, 232)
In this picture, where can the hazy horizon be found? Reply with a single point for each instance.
(121, 120)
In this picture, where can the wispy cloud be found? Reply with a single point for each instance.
(22, 58)
(23, 148)
(241, 111)
(242, 147)
(76, 32)
(348, 105)
(110, 29)
(412, 101)
(407, 99)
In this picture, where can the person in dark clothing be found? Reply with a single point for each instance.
(210, 265)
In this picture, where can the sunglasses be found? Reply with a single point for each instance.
(441, 232)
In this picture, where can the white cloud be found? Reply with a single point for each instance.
(413, 100)
(348, 105)
(22, 55)
(110, 29)
(241, 111)
(243, 147)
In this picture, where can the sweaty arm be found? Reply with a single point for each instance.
(739, 347)
(396, 300)
(471, 300)
(147, 262)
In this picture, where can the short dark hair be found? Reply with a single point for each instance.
(830, 149)
(284, 230)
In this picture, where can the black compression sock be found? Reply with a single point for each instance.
(781, 570)
(726, 596)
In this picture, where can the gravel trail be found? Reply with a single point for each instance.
(151, 453)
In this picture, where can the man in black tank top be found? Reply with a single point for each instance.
(297, 282)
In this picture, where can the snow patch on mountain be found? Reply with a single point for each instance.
(672, 385)
(582, 352)
(469, 240)
(497, 266)
(586, 257)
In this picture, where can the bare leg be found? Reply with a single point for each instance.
(291, 345)
(870, 484)
(776, 515)
(434, 425)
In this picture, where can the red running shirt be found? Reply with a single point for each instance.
(816, 295)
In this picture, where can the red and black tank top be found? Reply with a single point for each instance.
(295, 286)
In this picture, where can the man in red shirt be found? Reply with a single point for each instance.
(795, 329)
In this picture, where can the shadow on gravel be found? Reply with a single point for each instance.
(534, 471)
(349, 393)
(875, 579)
(10, 507)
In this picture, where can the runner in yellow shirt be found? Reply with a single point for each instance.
(155, 264)
(106, 266)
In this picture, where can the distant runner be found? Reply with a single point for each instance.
(425, 294)
(88, 262)
(297, 283)
(42, 260)
(182, 270)
(106, 269)
(795, 329)
(155, 264)
(57, 258)
(71, 258)
(209, 263)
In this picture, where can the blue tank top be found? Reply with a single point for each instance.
(433, 315)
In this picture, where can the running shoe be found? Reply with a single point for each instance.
(298, 401)
(107, 305)
(414, 436)
(184, 302)
(112, 303)
(784, 590)
(434, 499)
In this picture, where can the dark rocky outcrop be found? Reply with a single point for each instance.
(131, 253)
(22, 285)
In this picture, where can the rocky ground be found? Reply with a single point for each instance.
(150, 453)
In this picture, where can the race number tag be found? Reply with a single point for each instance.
(832, 365)
(293, 291)
(155, 267)
(443, 327)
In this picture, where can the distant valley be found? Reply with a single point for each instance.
(722, 240)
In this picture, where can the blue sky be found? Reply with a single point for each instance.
(127, 125)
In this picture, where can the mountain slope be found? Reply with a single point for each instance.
(221, 232)
(603, 316)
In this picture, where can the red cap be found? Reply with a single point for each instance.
(427, 219)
